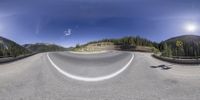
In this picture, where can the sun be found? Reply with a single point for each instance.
(190, 27)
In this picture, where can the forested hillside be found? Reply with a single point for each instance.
(186, 45)
(9, 48)
(128, 43)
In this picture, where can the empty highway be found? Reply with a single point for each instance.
(114, 75)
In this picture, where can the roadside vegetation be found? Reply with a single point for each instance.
(126, 43)
(185, 47)
(182, 47)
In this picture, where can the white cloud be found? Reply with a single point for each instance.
(68, 32)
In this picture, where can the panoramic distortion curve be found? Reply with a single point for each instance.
(90, 79)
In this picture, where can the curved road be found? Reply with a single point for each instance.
(36, 78)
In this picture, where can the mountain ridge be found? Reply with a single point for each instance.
(185, 37)
(44, 47)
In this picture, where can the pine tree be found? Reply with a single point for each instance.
(167, 52)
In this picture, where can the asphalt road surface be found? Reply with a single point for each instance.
(107, 76)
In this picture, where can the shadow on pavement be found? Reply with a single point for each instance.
(163, 67)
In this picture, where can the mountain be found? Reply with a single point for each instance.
(43, 47)
(185, 45)
(10, 48)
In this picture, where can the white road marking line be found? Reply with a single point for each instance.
(90, 79)
(86, 53)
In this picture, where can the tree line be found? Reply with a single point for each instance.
(176, 48)
(180, 48)
(126, 42)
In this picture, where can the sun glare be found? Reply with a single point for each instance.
(190, 27)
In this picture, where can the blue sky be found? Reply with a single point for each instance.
(32, 21)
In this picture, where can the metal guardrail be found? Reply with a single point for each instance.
(183, 57)
(177, 60)
(10, 59)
